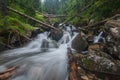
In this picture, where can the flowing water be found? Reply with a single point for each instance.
(41, 59)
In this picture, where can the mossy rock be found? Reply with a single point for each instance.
(96, 62)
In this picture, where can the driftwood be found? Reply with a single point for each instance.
(29, 17)
(101, 22)
(8, 73)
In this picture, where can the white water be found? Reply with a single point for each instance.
(97, 38)
(38, 62)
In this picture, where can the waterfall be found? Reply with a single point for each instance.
(41, 59)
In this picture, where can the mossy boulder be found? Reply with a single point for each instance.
(99, 61)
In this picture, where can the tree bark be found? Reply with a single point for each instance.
(29, 17)
(3, 7)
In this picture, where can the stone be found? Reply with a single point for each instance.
(113, 38)
(96, 46)
(84, 77)
(99, 61)
(35, 32)
(56, 35)
(79, 43)
(114, 27)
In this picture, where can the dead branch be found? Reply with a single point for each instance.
(27, 38)
(101, 22)
(9, 38)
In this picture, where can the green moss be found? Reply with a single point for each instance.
(75, 20)
(54, 20)
(14, 24)
(9, 23)
(17, 7)
(89, 63)
(39, 17)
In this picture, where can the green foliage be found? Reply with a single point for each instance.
(39, 17)
(75, 20)
(101, 9)
(98, 10)
(25, 6)
(55, 20)
(51, 6)
(13, 24)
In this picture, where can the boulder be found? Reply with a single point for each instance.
(79, 43)
(35, 32)
(56, 35)
(46, 45)
(56, 24)
(99, 61)
(114, 27)
(113, 38)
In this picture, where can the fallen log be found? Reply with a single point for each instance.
(29, 17)
(8, 73)
(101, 22)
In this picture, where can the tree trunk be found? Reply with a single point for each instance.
(3, 7)
(29, 17)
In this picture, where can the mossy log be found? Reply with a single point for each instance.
(29, 17)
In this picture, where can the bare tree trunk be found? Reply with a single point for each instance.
(29, 17)
(3, 8)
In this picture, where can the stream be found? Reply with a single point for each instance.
(41, 59)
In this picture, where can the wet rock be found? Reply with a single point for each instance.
(79, 43)
(99, 61)
(84, 77)
(96, 47)
(90, 39)
(113, 38)
(114, 28)
(35, 32)
(49, 44)
(45, 45)
(56, 35)
(56, 24)
(53, 44)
